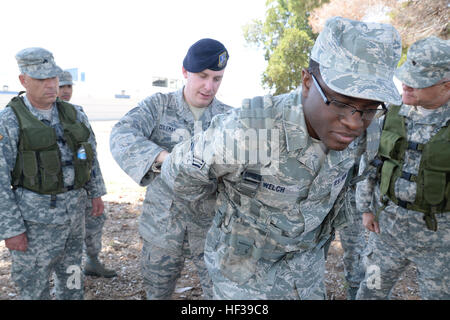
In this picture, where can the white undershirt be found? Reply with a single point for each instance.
(196, 112)
(47, 113)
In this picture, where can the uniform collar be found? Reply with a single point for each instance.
(184, 111)
(296, 132)
(441, 115)
(182, 107)
(294, 124)
(335, 157)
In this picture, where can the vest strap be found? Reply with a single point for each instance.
(403, 204)
(408, 176)
(415, 146)
(52, 201)
(377, 162)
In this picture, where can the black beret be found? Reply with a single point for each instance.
(206, 54)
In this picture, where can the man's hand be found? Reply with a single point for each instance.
(97, 207)
(370, 223)
(162, 156)
(19, 243)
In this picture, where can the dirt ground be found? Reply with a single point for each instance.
(121, 251)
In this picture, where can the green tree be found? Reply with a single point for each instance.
(286, 39)
(414, 19)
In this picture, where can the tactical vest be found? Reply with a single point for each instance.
(38, 164)
(432, 181)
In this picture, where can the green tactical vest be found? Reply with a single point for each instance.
(432, 181)
(38, 164)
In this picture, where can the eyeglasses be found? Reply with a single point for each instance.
(345, 110)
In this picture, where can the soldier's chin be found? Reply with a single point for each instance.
(51, 99)
(336, 145)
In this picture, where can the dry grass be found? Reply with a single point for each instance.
(422, 18)
(414, 19)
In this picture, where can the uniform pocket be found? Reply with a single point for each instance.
(30, 166)
(50, 167)
(77, 131)
(434, 186)
(83, 174)
(38, 138)
(236, 267)
(237, 260)
(89, 151)
(389, 147)
(438, 160)
(386, 174)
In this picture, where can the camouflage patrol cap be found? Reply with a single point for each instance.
(38, 63)
(358, 59)
(65, 78)
(427, 62)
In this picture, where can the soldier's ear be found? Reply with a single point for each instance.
(22, 80)
(306, 82)
(185, 72)
(447, 85)
(446, 89)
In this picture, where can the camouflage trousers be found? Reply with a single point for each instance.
(94, 230)
(161, 267)
(353, 241)
(51, 248)
(404, 239)
(297, 277)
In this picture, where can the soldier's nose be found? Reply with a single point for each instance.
(354, 122)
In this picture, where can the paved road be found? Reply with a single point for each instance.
(118, 183)
(96, 109)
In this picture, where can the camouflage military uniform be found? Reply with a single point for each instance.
(278, 203)
(353, 237)
(169, 225)
(93, 231)
(295, 199)
(55, 235)
(404, 237)
(353, 241)
(93, 224)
